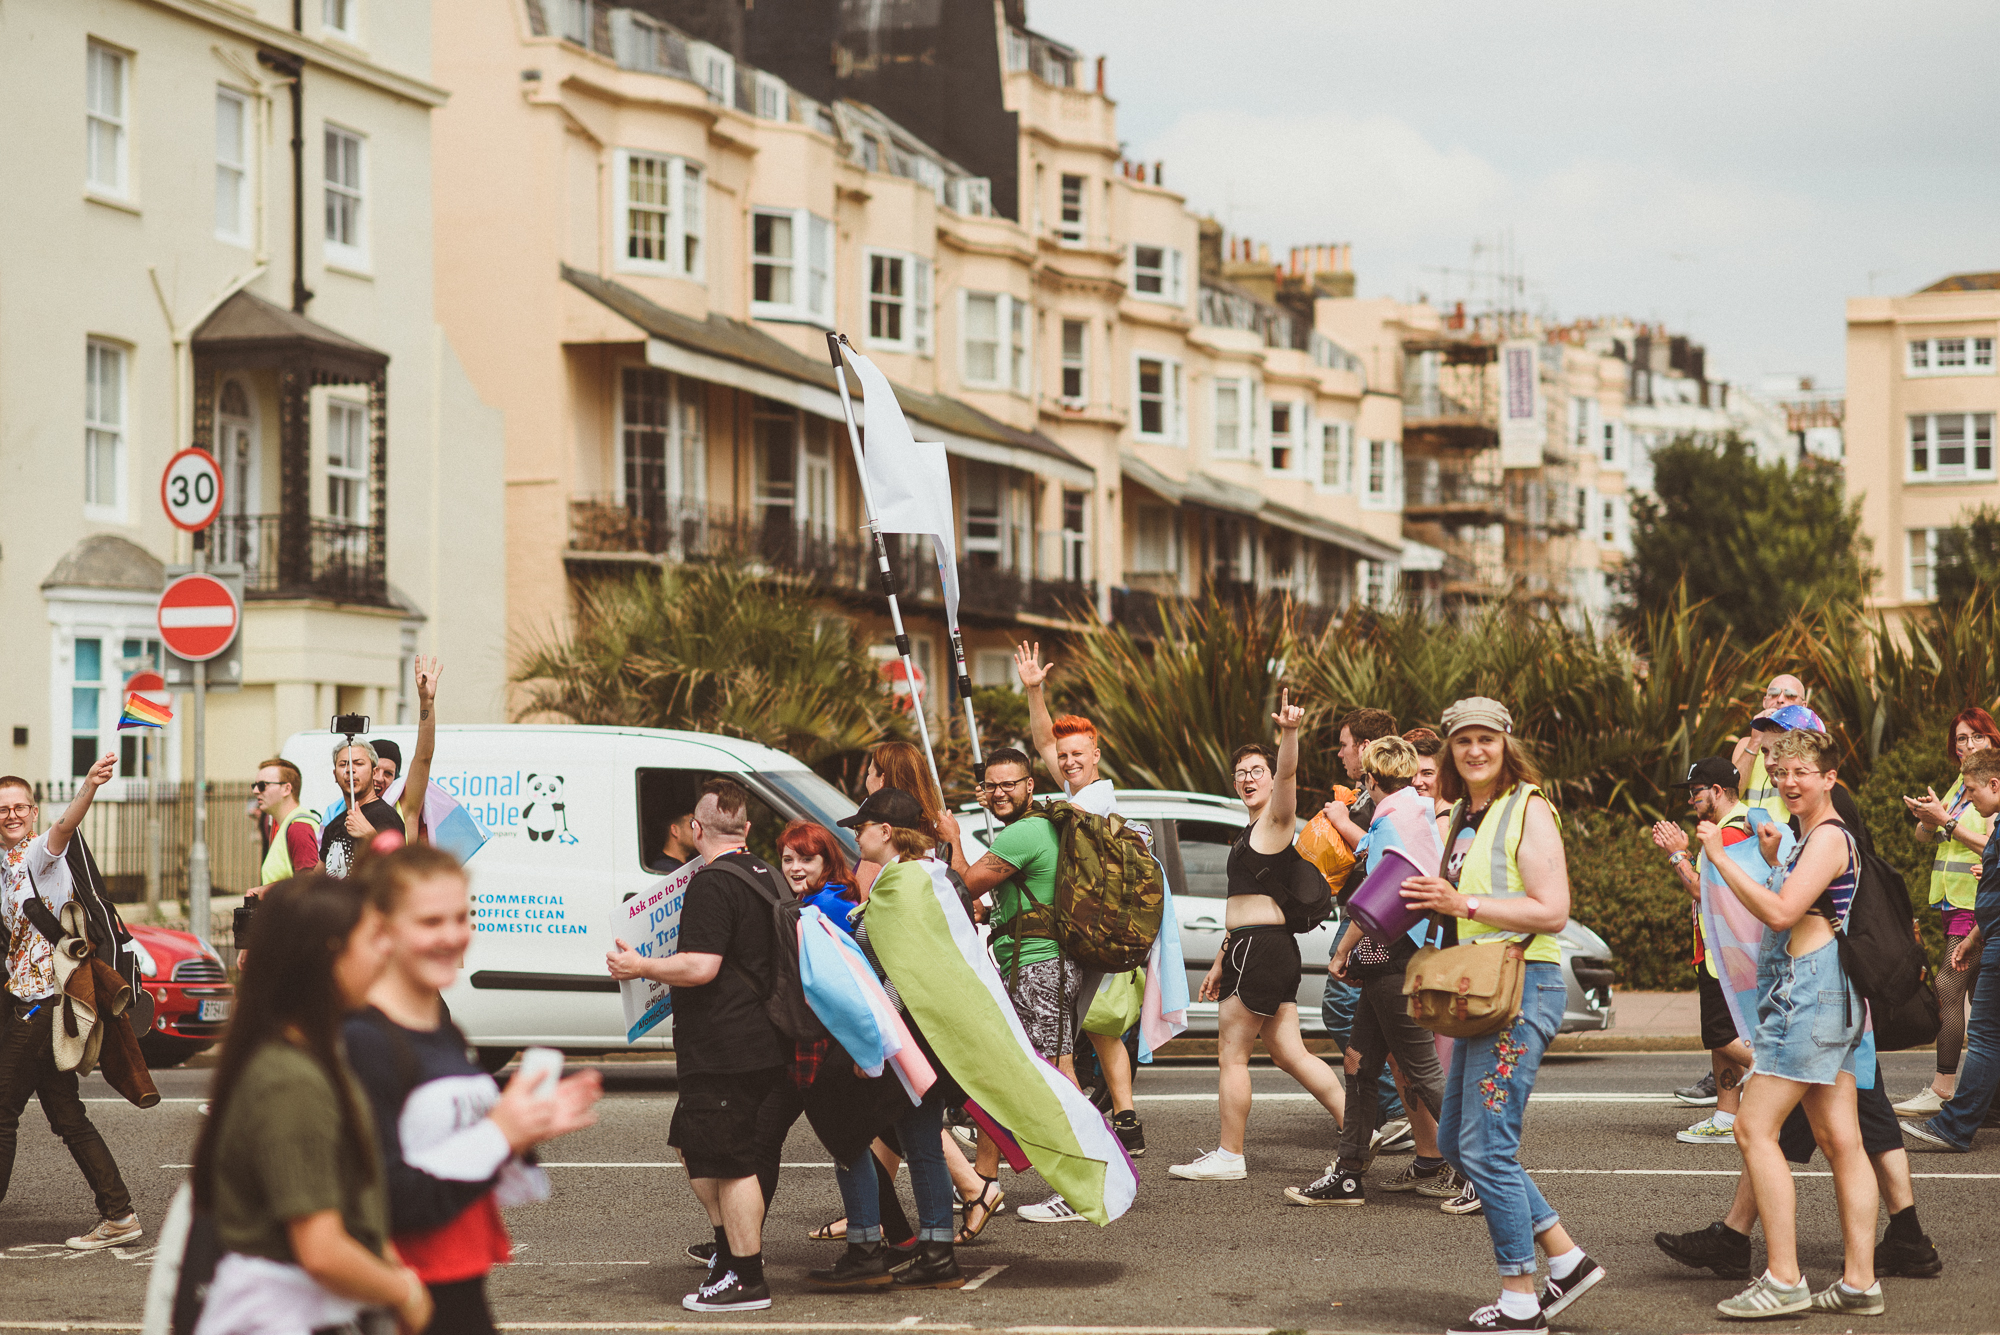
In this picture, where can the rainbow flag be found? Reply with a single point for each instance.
(941, 970)
(143, 713)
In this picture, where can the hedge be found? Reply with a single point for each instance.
(1622, 888)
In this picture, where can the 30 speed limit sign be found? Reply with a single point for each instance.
(191, 490)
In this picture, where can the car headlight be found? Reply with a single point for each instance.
(147, 967)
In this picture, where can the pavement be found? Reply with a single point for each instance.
(1227, 1257)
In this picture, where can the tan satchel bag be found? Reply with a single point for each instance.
(1467, 991)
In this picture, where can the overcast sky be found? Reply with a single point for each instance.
(1734, 170)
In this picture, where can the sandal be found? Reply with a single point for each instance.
(988, 1202)
(833, 1231)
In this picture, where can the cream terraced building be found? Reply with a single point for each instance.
(686, 225)
(1922, 399)
(178, 276)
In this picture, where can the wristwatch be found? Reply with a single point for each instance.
(1471, 907)
(1944, 830)
(1680, 856)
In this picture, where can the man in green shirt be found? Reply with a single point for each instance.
(1019, 871)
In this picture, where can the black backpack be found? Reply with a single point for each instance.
(1305, 897)
(785, 997)
(1883, 958)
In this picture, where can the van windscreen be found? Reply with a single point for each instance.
(818, 800)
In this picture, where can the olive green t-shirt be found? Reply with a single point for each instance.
(1031, 847)
(279, 1156)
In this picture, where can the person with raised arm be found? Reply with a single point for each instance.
(1256, 973)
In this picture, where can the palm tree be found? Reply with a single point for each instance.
(712, 648)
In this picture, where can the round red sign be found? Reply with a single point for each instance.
(198, 617)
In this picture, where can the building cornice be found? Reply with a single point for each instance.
(232, 20)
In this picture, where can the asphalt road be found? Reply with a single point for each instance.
(1214, 1256)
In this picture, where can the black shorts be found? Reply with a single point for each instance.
(1880, 1132)
(715, 1121)
(1718, 1026)
(1261, 968)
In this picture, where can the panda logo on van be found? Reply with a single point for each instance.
(545, 816)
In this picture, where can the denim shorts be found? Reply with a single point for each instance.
(1809, 1018)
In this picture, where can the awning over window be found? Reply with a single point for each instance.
(738, 354)
(1216, 494)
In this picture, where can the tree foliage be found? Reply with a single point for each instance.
(1968, 559)
(713, 648)
(1753, 543)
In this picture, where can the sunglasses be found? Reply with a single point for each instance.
(262, 784)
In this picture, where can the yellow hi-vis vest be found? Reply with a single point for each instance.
(1760, 791)
(1955, 869)
(1492, 870)
(278, 858)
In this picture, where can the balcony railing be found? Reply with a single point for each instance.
(1449, 491)
(312, 558)
(675, 530)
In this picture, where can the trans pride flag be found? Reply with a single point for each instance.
(843, 991)
(1730, 930)
(447, 824)
(920, 932)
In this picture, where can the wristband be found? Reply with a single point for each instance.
(1471, 907)
(1680, 856)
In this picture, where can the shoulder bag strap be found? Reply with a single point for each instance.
(38, 912)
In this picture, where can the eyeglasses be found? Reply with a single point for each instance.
(1001, 784)
(262, 784)
(21, 809)
(1781, 695)
(1246, 775)
(1783, 774)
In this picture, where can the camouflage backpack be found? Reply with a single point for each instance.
(1109, 891)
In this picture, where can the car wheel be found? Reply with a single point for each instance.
(491, 1060)
(161, 1052)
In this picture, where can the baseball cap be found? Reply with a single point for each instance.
(891, 805)
(1477, 711)
(1789, 719)
(1709, 770)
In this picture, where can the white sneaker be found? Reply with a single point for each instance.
(1920, 1104)
(1214, 1166)
(1054, 1210)
(1707, 1132)
(108, 1233)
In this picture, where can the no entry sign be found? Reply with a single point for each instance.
(198, 617)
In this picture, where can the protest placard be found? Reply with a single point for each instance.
(650, 923)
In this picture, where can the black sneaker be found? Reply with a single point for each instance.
(1700, 1094)
(1338, 1187)
(1130, 1133)
(1718, 1247)
(1489, 1320)
(1560, 1293)
(701, 1255)
(1905, 1258)
(728, 1294)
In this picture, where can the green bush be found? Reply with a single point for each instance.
(1911, 765)
(1622, 888)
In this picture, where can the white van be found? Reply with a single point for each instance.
(575, 815)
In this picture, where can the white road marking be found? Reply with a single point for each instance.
(695, 1325)
(1731, 1172)
(984, 1275)
(128, 1103)
(1299, 1096)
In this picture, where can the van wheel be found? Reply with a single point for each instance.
(491, 1060)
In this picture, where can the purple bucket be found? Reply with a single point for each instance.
(1377, 903)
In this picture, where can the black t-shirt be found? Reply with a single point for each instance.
(336, 845)
(665, 864)
(720, 1028)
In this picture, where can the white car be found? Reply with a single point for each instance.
(1193, 832)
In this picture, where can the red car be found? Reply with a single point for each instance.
(190, 990)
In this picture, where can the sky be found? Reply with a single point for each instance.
(1735, 171)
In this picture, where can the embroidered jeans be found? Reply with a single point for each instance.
(1479, 1131)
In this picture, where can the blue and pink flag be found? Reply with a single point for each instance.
(446, 824)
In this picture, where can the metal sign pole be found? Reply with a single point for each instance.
(198, 852)
(833, 342)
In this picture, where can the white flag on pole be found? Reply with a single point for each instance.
(910, 478)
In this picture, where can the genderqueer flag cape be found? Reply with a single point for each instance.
(1731, 930)
(921, 934)
(1406, 821)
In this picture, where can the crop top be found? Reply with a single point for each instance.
(1254, 873)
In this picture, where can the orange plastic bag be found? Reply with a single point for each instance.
(1320, 844)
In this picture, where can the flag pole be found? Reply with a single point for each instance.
(833, 345)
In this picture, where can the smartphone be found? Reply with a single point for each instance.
(353, 725)
(543, 1067)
